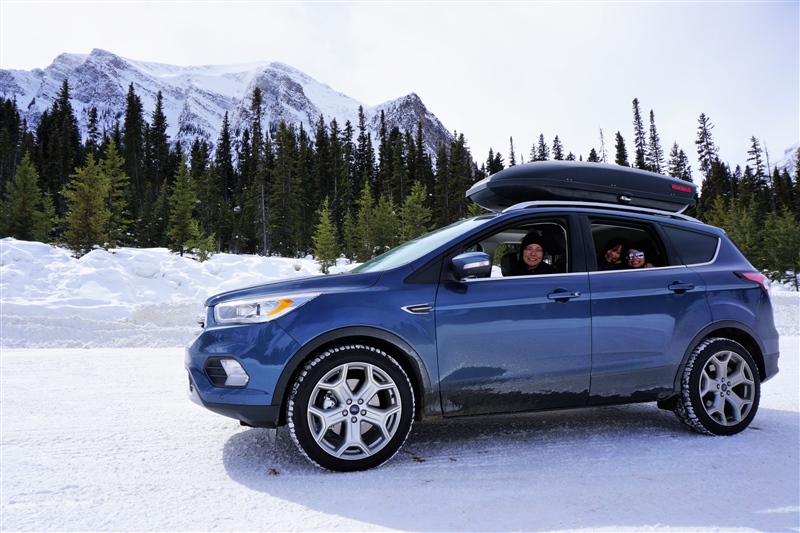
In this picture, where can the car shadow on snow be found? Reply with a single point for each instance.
(619, 466)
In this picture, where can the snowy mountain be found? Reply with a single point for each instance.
(788, 161)
(195, 99)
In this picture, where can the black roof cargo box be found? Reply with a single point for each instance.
(585, 182)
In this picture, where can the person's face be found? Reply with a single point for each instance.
(533, 255)
(635, 258)
(613, 254)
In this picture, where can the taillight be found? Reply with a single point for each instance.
(759, 278)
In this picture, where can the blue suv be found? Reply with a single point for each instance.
(540, 305)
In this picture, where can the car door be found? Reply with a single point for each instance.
(642, 321)
(513, 343)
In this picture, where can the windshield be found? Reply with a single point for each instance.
(421, 245)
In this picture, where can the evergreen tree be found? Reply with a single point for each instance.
(540, 151)
(655, 154)
(475, 210)
(442, 195)
(461, 178)
(384, 226)
(603, 155)
(384, 169)
(305, 164)
(259, 177)
(119, 197)
(87, 217)
(364, 246)
(717, 183)
(339, 188)
(763, 189)
(27, 212)
(157, 149)
(748, 233)
(285, 198)
(678, 164)
(225, 175)
(224, 161)
(415, 216)
(423, 165)
(351, 185)
(512, 155)
(364, 161)
(325, 240)
(324, 186)
(11, 134)
(133, 145)
(558, 149)
(157, 212)
(639, 138)
(797, 181)
(706, 149)
(621, 153)
(184, 229)
(785, 199)
(494, 163)
(208, 191)
(93, 138)
(593, 157)
(350, 243)
(58, 146)
(399, 176)
(783, 246)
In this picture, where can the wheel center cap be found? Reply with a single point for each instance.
(353, 410)
(724, 387)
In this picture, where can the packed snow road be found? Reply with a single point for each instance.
(106, 439)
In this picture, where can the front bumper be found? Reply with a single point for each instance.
(263, 350)
(258, 416)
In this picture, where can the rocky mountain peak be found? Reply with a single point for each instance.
(196, 98)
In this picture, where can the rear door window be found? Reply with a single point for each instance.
(693, 247)
(621, 245)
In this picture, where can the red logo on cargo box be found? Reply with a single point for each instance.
(681, 188)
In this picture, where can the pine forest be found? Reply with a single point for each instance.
(331, 192)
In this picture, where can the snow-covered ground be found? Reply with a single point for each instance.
(98, 433)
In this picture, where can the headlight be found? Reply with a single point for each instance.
(257, 310)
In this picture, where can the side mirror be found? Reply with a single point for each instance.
(472, 265)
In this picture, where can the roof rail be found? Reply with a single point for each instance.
(599, 205)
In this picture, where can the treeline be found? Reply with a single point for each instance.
(254, 191)
(332, 191)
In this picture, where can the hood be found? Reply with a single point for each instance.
(330, 283)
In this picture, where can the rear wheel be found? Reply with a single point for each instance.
(351, 408)
(720, 388)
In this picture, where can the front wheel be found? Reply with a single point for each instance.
(351, 408)
(720, 388)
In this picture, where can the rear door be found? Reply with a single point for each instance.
(642, 319)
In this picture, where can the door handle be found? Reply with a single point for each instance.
(563, 295)
(679, 287)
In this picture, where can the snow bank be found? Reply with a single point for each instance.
(124, 297)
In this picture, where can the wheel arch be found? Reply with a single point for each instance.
(426, 397)
(729, 329)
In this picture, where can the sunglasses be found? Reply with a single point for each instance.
(640, 255)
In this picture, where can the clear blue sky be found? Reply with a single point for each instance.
(489, 70)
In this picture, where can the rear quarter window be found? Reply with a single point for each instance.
(693, 247)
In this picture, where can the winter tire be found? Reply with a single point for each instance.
(351, 408)
(720, 388)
